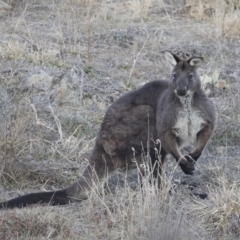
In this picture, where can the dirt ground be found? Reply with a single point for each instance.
(62, 63)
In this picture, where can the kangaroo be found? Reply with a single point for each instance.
(174, 113)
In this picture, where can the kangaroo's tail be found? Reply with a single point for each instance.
(52, 198)
(76, 191)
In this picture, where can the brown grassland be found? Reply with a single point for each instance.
(62, 63)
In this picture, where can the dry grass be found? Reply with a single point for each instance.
(146, 214)
(222, 14)
(62, 64)
(33, 224)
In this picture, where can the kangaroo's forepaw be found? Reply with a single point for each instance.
(187, 165)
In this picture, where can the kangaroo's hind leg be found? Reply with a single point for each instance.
(151, 167)
(94, 174)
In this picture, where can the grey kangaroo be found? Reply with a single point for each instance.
(168, 114)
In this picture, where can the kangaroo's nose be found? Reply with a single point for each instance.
(181, 91)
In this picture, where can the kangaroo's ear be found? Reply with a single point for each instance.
(196, 61)
(171, 59)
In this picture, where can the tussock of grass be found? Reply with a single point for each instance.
(221, 212)
(35, 224)
(15, 137)
(20, 151)
(145, 214)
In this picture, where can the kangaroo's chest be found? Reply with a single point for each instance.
(189, 123)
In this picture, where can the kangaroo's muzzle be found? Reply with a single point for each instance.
(181, 91)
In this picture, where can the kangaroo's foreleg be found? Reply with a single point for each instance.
(170, 145)
(202, 139)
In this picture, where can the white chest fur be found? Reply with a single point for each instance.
(189, 123)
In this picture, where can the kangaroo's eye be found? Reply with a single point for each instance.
(174, 75)
(190, 76)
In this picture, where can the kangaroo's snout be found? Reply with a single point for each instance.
(181, 91)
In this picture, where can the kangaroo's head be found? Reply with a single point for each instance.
(184, 78)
